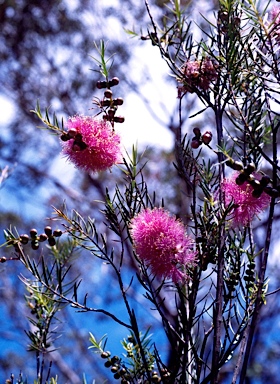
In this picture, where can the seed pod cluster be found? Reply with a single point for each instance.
(114, 363)
(109, 105)
(200, 139)
(36, 239)
(249, 277)
(78, 143)
(264, 184)
(232, 280)
(227, 23)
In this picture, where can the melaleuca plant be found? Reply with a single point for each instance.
(202, 271)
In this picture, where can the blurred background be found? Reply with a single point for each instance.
(46, 50)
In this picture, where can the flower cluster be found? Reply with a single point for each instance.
(246, 206)
(91, 144)
(274, 17)
(197, 74)
(161, 242)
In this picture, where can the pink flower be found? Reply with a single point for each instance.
(93, 144)
(198, 74)
(161, 242)
(246, 206)
(274, 16)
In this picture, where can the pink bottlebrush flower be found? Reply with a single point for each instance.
(197, 74)
(161, 242)
(94, 145)
(246, 206)
(274, 17)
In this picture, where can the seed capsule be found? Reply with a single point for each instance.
(195, 143)
(241, 178)
(34, 244)
(57, 232)
(119, 119)
(197, 132)
(43, 237)
(114, 81)
(48, 230)
(118, 101)
(24, 239)
(51, 241)
(33, 233)
(108, 93)
(206, 137)
(101, 84)
(65, 137)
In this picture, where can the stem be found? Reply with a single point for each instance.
(218, 309)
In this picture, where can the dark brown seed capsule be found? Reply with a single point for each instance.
(48, 230)
(250, 168)
(33, 233)
(43, 237)
(119, 119)
(118, 101)
(114, 81)
(206, 137)
(105, 103)
(34, 244)
(51, 241)
(108, 93)
(197, 132)
(257, 193)
(57, 232)
(104, 355)
(265, 180)
(241, 178)
(24, 239)
(72, 132)
(3, 259)
(65, 137)
(111, 113)
(236, 165)
(195, 143)
(101, 84)
(254, 183)
(82, 145)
